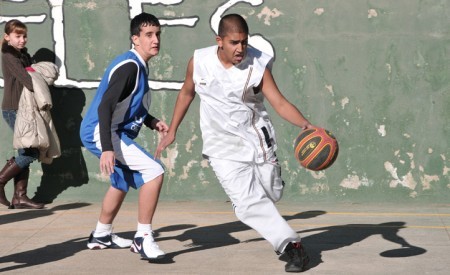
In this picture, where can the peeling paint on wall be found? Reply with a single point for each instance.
(389, 70)
(89, 5)
(330, 89)
(319, 11)
(186, 169)
(354, 182)
(381, 130)
(372, 13)
(90, 63)
(268, 14)
(406, 180)
(318, 174)
(445, 169)
(319, 188)
(204, 163)
(189, 143)
(170, 159)
(344, 102)
(426, 180)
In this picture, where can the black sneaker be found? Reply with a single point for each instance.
(298, 259)
(108, 241)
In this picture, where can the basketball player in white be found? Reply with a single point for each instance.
(239, 141)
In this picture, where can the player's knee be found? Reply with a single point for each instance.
(246, 210)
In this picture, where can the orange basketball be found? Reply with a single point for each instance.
(316, 149)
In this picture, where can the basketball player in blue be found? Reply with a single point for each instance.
(232, 81)
(114, 119)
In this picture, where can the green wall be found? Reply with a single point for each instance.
(375, 73)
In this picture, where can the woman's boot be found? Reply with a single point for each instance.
(8, 172)
(20, 199)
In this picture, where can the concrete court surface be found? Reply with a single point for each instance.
(206, 238)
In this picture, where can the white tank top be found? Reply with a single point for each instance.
(233, 119)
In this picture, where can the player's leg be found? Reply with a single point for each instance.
(111, 205)
(242, 183)
(144, 243)
(145, 173)
(269, 174)
(148, 200)
(252, 205)
(102, 237)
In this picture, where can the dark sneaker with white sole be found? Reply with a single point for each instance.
(298, 259)
(108, 241)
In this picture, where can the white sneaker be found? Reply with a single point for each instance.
(108, 241)
(147, 247)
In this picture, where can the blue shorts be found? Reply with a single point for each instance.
(134, 165)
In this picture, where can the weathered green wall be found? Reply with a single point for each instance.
(376, 73)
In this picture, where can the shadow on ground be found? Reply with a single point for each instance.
(335, 237)
(18, 215)
(220, 235)
(213, 236)
(46, 254)
(43, 255)
(327, 238)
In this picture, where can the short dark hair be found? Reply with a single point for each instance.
(232, 23)
(142, 20)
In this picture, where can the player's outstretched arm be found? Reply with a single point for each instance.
(280, 104)
(184, 99)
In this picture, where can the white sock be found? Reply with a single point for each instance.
(143, 229)
(102, 229)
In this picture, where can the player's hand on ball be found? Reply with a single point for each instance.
(308, 126)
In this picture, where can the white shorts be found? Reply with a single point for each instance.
(134, 165)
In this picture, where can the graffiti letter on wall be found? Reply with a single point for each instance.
(135, 7)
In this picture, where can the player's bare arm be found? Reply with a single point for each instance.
(280, 104)
(184, 99)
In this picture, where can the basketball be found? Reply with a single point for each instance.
(316, 149)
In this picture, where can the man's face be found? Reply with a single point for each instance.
(232, 48)
(147, 44)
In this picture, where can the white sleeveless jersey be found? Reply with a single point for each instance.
(233, 119)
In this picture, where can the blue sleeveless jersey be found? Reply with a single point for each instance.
(129, 114)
